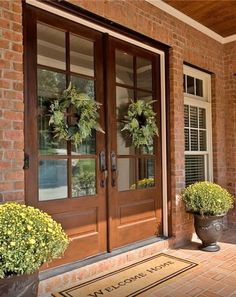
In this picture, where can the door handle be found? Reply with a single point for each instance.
(113, 169)
(103, 168)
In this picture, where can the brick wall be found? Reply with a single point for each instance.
(11, 102)
(187, 44)
(230, 98)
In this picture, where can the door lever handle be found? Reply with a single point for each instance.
(103, 168)
(113, 169)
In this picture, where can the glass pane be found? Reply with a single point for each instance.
(194, 169)
(84, 85)
(186, 138)
(199, 87)
(87, 147)
(194, 139)
(83, 177)
(81, 55)
(147, 150)
(203, 140)
(146, 173)
(51, 47)
(193, 117)
(52, 179)
(123, 99)
(124, 68)
(202, 118)
(190, 85)
(144, 74)
(184, 82)
(124, 142)
(126, 174)
(48, 144)
(50, 86)
(186, 116)
(144, 96)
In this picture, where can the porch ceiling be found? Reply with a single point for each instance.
(219, 16)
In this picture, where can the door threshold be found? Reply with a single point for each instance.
(55, 271)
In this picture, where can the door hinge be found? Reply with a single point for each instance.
(26, 161)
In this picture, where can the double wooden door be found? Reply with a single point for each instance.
(106, 193)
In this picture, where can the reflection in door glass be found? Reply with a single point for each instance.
(83, 177)
(146, 173)
(48, 144)
(84, 85)
(146, 96)
(52, 179)
(144, 74)
(126, 173)
(87, 147)
(81, 55)
(51, 47)
(50, 87)
(124, 68)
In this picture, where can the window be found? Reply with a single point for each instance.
(197, 126)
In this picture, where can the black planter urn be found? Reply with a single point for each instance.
(20, 286)
(209, 229)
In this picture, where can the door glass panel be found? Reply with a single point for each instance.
(51, 47)
(87, 147)
(124, 143)
(146, 96)
(52, 179)
(126, 174)
(146, 173)
(48, 144)
(144, 74)
(123, 99)
(84, 85)
(124, 68)
(81, 55)
(83, 177)
(50, 86)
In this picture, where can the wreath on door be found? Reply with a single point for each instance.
(83, 116)
(140, 123)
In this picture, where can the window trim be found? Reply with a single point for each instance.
(202, 102)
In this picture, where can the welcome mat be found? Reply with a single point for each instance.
(133, 280)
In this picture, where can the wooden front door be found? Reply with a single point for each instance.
(135, 202)
(105, 193)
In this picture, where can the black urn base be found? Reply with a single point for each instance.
(210, 248)
(209, 229)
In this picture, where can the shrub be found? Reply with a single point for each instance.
(28, 238)
(206, 198)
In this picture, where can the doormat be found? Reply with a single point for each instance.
(133, 280)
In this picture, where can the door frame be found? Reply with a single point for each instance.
(74, 13)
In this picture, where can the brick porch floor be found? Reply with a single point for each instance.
(214, 276)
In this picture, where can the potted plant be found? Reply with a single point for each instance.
(209, 203)
(28, 238)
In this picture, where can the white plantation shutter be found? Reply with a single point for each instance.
(197, 127)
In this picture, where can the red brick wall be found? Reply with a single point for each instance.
(11, 102)
(187, 44)
(230, 98)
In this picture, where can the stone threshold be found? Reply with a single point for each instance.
(54, 279)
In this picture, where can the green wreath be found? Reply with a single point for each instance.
(84, 114)
(140, 123)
